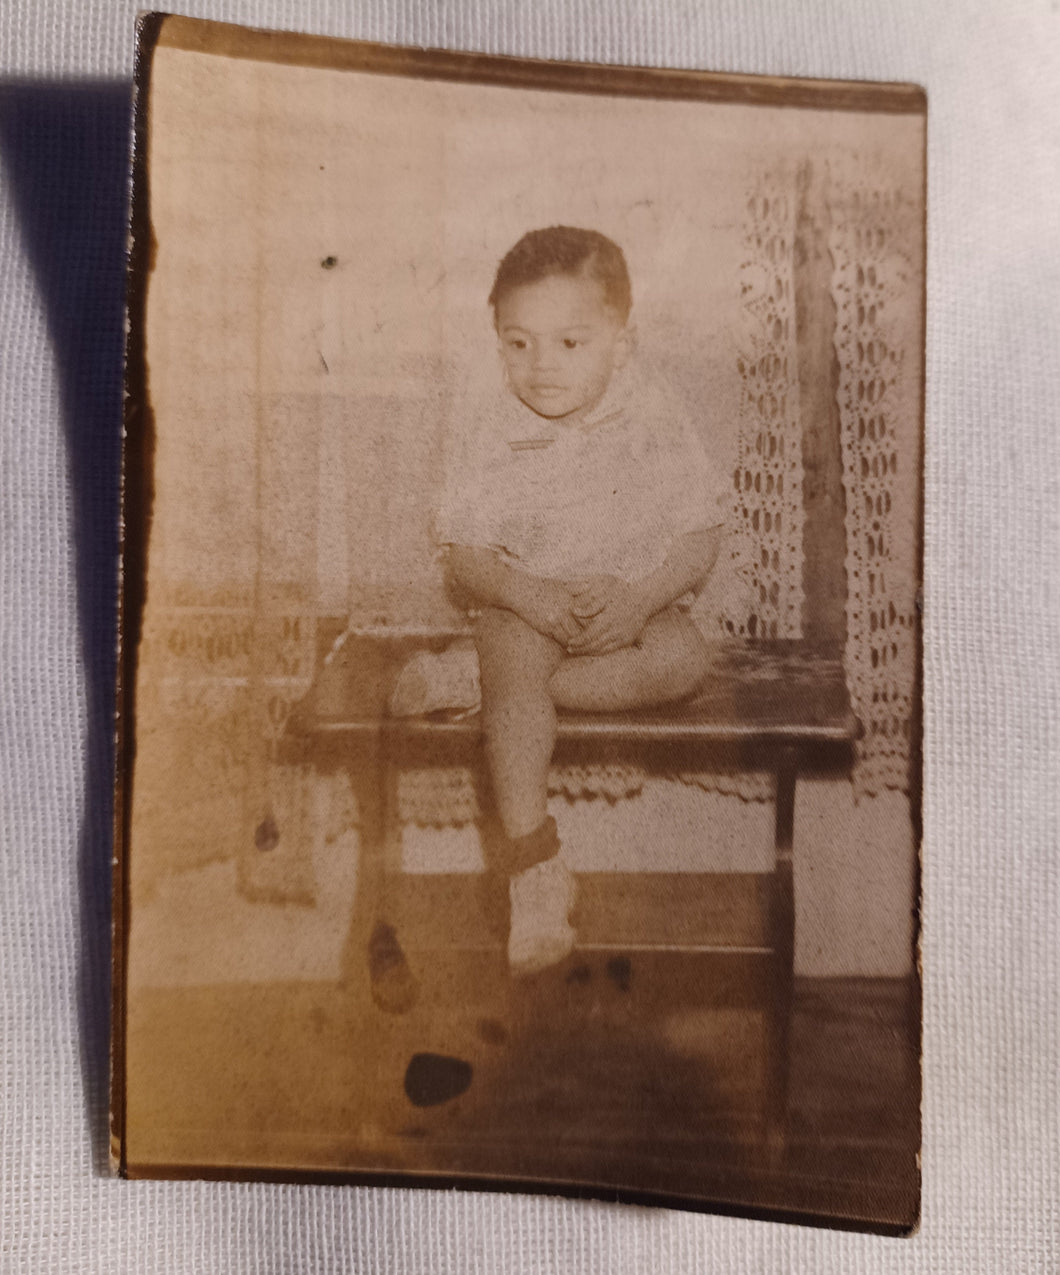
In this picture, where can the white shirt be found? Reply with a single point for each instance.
(608, 496)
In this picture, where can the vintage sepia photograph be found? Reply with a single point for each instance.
(520, 709)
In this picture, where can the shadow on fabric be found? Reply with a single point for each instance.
(64, 148)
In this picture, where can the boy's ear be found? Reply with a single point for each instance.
(503, 362)
(625, 345)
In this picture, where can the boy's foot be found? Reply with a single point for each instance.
(541, 933)
(393, 987)
(429, 683)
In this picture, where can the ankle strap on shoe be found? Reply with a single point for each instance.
(532, 848)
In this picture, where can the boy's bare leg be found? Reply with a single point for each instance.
(668, 662)
(519, 720)
(518, 715)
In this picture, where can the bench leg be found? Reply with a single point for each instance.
(373, 952)
(782, 942)
(366, 779)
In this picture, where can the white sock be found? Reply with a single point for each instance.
(541, 933)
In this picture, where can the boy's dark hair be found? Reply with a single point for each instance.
(566, 250)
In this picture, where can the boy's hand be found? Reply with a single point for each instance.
(546, 607)
(614, 613)
(593, 594)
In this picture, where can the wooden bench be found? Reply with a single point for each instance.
(781, 707)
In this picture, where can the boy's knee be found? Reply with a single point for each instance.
(695, 666)
(493, 625)
(513, 669)
(683, 664)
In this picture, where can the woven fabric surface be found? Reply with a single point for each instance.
(992, 934)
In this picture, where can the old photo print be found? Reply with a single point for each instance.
(520, 752)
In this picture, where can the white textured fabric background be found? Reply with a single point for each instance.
(992, 915)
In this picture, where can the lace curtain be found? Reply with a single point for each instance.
(875, 243)
(764, 540)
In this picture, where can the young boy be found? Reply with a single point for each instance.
(583, 517)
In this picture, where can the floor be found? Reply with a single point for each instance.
(627, 1069)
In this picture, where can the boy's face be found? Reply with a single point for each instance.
(560, 342)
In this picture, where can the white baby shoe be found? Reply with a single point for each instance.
(541, 934)
(430, 682)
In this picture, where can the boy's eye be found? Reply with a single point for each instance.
(517, 343)
(570, 343)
